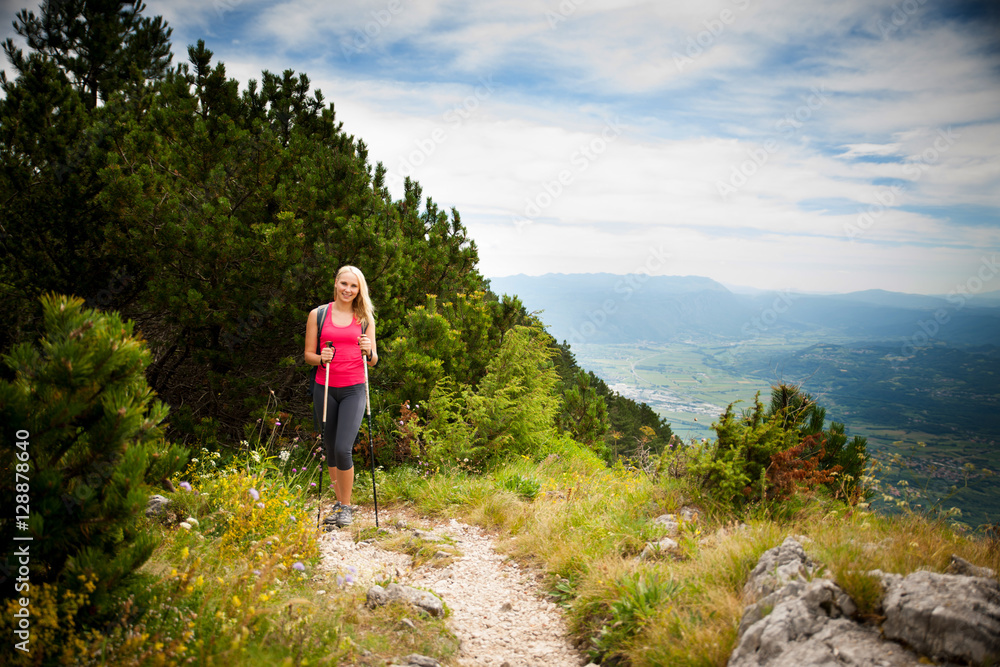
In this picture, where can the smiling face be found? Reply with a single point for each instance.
(347, 287)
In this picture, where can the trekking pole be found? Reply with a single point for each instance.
(371, 443)
(322, 435)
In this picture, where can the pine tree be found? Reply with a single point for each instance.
(85, 431)
(585, 414)
(53, 234)
(104, 46)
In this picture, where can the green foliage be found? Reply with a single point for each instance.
(454, 339)
(511, 413)
(215, 216)
(584, 413)
(258, 198)
(216, 222)
(93, 440)
(733, 469)
(524, 486)
(54, 238)
(624, 436)
(635, 602)
(104, 46)
(762, 454)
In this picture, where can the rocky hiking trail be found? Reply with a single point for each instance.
(499, 610)
(795, 615)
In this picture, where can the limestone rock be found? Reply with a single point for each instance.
(793, 622)
(428, 602)
(417, 660)
(669, 522)
(965, 568)
(156, 506)
(427, 536)
(778, 566)
(672, 522)
(654, 549)
(810, 625)
(689, 514)
(945, 616)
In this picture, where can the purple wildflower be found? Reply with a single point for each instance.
(299, 566)
(185, 486)
(260, 505)
(254, 494)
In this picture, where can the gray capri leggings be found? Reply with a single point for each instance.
(344, 411)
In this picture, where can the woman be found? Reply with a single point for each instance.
(346, 333)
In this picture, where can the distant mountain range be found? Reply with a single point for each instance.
(606, 308)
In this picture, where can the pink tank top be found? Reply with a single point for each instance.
(346, 369)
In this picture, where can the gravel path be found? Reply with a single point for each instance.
(498, 610)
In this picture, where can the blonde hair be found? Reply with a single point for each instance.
(364, 310)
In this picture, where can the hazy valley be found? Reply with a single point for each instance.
(898, 369)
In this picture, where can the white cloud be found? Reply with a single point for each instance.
(490, 104)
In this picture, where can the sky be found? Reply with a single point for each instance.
(808, 145)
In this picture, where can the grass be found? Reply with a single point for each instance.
(241, 585)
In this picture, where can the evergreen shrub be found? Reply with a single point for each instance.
(94, 444)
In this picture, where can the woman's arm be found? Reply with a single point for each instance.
(368, 344)
(312, 334)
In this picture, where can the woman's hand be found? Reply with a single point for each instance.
(365, 343)
(326, 355)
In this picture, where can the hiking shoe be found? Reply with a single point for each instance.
(331, 518)
(345, 516)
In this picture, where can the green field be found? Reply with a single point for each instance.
(681, 382)
(946, 398)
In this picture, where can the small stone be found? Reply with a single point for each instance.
(962, 567)
(156, 506)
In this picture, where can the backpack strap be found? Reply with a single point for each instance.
(320, 319)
